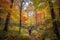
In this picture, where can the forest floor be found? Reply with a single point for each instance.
(14, 34)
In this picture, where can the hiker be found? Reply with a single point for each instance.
(29, 30)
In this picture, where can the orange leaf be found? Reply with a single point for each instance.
(24, 18)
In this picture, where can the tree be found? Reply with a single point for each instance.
(54, 20)
(21, 15)
(8, 18)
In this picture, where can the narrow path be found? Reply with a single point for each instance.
(32, 37)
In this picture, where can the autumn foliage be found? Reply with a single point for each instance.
(24, 18)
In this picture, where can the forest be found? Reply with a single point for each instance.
(29, 19)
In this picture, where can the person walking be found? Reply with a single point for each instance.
(30, 30)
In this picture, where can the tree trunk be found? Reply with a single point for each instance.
(54, 21)
(8, 18)
(21, 15)
(7, 22)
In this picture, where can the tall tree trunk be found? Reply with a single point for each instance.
(21, 15)
(8, 18)
(7, 22)
(54, 21)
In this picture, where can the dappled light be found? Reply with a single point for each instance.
(29, 19)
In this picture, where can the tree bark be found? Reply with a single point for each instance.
(54, 21)
(7, 22)
(21, 15)
(8, 18)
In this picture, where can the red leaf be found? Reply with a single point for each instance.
(39, 16)
(24, 18)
